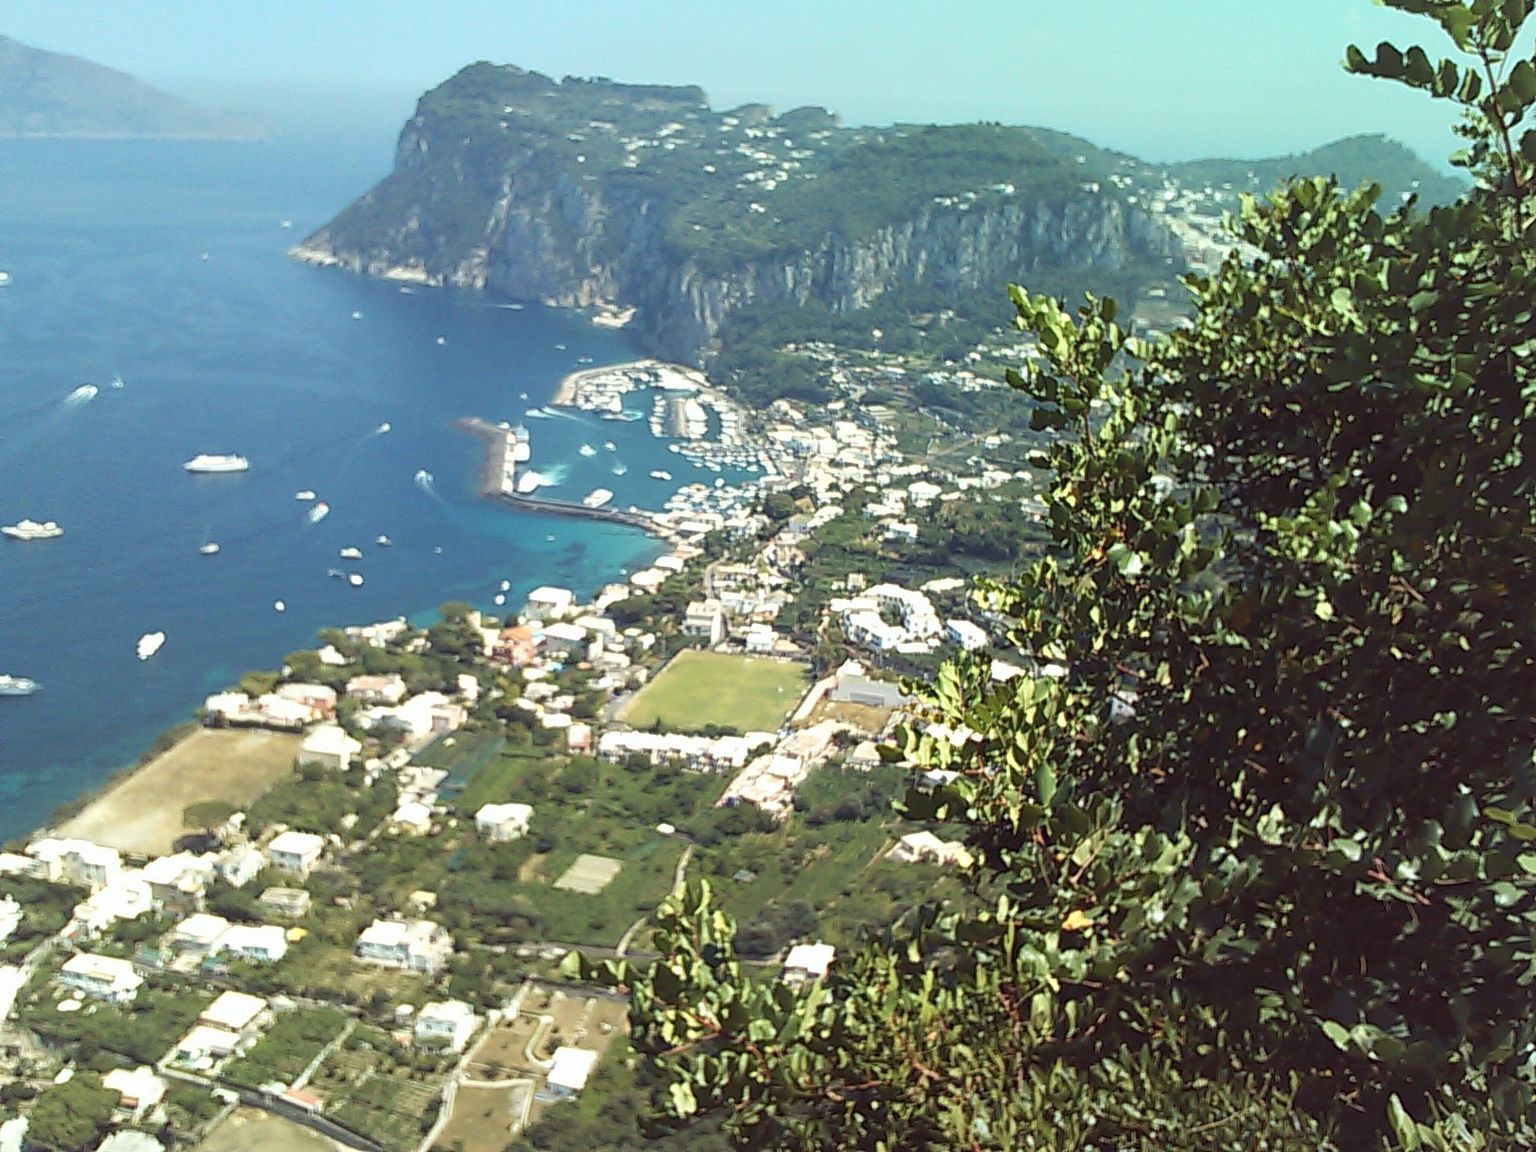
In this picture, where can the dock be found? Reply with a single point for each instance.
(498, 481)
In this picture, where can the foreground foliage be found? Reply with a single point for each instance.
(1258, 871)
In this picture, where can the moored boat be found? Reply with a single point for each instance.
(149, 644)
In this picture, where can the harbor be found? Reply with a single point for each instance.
(498, 479)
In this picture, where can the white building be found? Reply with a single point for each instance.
(966, 634)
(139, 1089)
(263, 943)
(445, 1025)
(566, 639)
(101, 977)
(76, 862)
(200, 932)
(547, 603)
(498, 822)
(412, 945)
(569, 1071)
(807, 963)
(413, 816)
(705, 620)
(294, 852)
(238, 1013)
(926, 847)
(329, 746)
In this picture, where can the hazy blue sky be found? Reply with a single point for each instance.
(1165, 79)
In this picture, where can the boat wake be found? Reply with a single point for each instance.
(532, 480)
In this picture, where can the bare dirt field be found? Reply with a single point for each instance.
(481, 1120)
(142, 815)
(250, 1130)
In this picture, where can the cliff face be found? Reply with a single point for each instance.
(525, 214)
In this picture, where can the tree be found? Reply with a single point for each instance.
(70, 1117)
(1256, 872)
(208, 815)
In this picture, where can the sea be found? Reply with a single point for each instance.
(155, 273)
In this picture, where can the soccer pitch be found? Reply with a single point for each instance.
(748, 693)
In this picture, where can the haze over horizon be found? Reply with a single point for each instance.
(1197, 79)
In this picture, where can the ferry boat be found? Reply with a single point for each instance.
(597, 498)
(17, 685)
(32, 530)
(149, 644)
(208, 462)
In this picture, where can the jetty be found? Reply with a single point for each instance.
(498, 480)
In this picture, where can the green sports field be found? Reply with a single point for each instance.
(748, 693)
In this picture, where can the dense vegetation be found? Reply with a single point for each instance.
(1256, 871)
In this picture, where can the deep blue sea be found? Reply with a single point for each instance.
(244, 351)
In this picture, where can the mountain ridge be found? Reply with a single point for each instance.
(587, 192)
(47, 94)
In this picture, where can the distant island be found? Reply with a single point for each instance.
(48, 94)
(722, 236)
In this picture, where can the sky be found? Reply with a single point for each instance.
(1162, 79)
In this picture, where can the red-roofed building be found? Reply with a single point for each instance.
(515, 646)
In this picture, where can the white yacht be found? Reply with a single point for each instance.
(597, 497)
(355, 579)
(351, 553)
(383, 541)
(319, 512)
(587, 450)
(660, 474)
(149, 644)
(207, 462)
(209, 549)
(17, 685)
(304, 494)
(32, 530)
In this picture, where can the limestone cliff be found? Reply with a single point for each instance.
(591, 193)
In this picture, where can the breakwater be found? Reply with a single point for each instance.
(498, 481)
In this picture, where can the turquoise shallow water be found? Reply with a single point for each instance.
(247, 352)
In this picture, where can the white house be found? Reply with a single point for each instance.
(498, 822)
(569, 1071)
(139, 1089)
(240, 865)
(412, 945)
(199, 932)
(329, 746)
(705, 620)
(265, 943)
(925, 846)
(76, 862)
(966, 634)
(295, 852)
(445, 1025)
(547, 603)
(101, 977)
(807, 963)
(413, 816)
(238, 1013)
(566, 639)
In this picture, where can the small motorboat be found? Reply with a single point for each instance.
(149, 644)
(355, 579)
(383, 541)
(209, 549)
(351, 553)
(304, 494)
